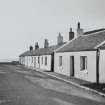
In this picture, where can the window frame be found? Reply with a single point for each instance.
(32, 59)
(45, 60)
(42, 59)
(83, 63)
(60, 61)
(38, 59)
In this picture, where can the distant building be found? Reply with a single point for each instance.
(24, 57)
(41, 58)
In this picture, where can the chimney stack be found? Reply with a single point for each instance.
(78, 27)
(79, 30)
(59, 39)
(36, 45)
(31, 48)
(46, 43)
(71, 34)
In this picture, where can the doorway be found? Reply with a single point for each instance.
(71, 65)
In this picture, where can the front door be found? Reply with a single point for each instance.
(71, 65)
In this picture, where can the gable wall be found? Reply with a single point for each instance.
(25, 60)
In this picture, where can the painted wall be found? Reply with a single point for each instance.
(34, 63)
(29, 61)
(89, 74)
(37, 64)
(21, 60)
(42, 65)
(26, 61)
(102, 66)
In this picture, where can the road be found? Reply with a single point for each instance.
(18, 86)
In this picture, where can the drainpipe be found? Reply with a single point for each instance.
(39, 60)
(97, 65)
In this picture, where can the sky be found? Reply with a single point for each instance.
(24, 22)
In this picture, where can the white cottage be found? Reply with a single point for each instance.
(25, 58)
(83, 57)
(41, 58)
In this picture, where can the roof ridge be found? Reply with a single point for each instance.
(92, 33)
(99, 45)
(66, 44)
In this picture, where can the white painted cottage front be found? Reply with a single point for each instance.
(82, 57)
(88, 74)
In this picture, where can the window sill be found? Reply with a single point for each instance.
(84, 71)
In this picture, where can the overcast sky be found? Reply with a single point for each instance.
(23, 22)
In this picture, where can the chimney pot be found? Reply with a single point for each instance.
(78, 25)
(71, 34)
(36, 45)
(46, 43)
(59, 39)
(31, 48)
(70, 29)
(79, 30)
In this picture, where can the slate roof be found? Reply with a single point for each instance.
(45, 51)
(84, 42)
(102, 46)
(41, 51)
(25, 53)
(93, 31)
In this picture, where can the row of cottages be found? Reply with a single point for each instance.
(41, 58)
(83, 57)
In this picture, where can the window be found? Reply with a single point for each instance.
(42, 59)
(46, 60)
(83, 62)
(60, 60)
(32, 59)
(38, 59)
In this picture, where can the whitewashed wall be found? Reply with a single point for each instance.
(102, 66)
(64, 69)
(89, 75)
(21, 60)
(29, 62)
(37, 64)
(26, 60)
(34, 62)
(43, 66)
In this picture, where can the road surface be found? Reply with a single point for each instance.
(18, 86)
